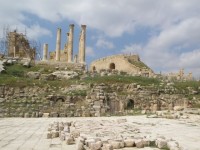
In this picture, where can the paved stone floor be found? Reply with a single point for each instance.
(30, 133)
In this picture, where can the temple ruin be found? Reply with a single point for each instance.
(66, 55)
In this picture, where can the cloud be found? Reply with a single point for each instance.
(190, 59)
(132, 48)
(90, 51)
(102, 43)
(35, 31)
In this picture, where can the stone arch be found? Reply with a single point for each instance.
(130, 104)
(112, 66)
(60, 99)
(93, 68)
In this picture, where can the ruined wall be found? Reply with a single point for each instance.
(86, 100)
(18, 46)
(123, 63)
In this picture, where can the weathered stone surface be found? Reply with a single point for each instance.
(107, 147)
(33, 75)
(55, 134)
(161, 143)
(139, 143)
(96, 146)
(69, 140)
(65, 74)
(115, 144)
(80, 146)
(178, 108)
(129, 142)
(49, 135)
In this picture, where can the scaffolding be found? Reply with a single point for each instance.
(15, 44)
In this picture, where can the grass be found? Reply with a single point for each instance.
(138, 64)
(77, 93)
(122, 79)
(185, 84)
(15, 75)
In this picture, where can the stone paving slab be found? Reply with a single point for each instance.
(30, 133)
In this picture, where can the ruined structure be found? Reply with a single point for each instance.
(19, 46)
(66, 55)
(81, 54)
(180, 75)
(45, 52)
(130, 64)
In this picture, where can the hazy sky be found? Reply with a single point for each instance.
(165, 33)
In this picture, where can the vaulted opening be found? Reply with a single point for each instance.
(130, 104)
(112, 66)
(93, 68)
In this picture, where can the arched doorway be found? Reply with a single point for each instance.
(130, 104)
(112, 66)
(93, 68)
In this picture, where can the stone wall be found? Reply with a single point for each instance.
(87, 100)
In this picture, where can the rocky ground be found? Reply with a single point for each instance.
(31, 133)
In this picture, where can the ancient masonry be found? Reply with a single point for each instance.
(180, 75)
(130, 64)
(66, 55)
(18, 46)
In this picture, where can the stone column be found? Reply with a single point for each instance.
(45, 52)
(14, 51)
(81, 54)
(70, 42)
(75, 59)
(58, 43)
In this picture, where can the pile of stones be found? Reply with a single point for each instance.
(106, 135)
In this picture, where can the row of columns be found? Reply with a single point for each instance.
(69, 45)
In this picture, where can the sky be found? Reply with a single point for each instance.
(164, 33)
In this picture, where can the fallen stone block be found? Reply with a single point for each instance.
(55, 134)
(69, 140)
(129, 143)
(49, 135)
(139, 143)
(96, 146)
(115, 144)
(80, 146)
(107, 147)
(161, 143)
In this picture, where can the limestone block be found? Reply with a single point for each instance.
(88, 142)
(173, 145)
(45, 115)
(178, 108)
(97, 114)
(26, 115)
(107, 147)
(55, 134)
(79, 146)
(161, 143)
(139, 143)
(96, 146)
(33, 75)
(129, 142)
(74, 134)
(69, 140)
(146, 142)
(115, 144)
(49, 135)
